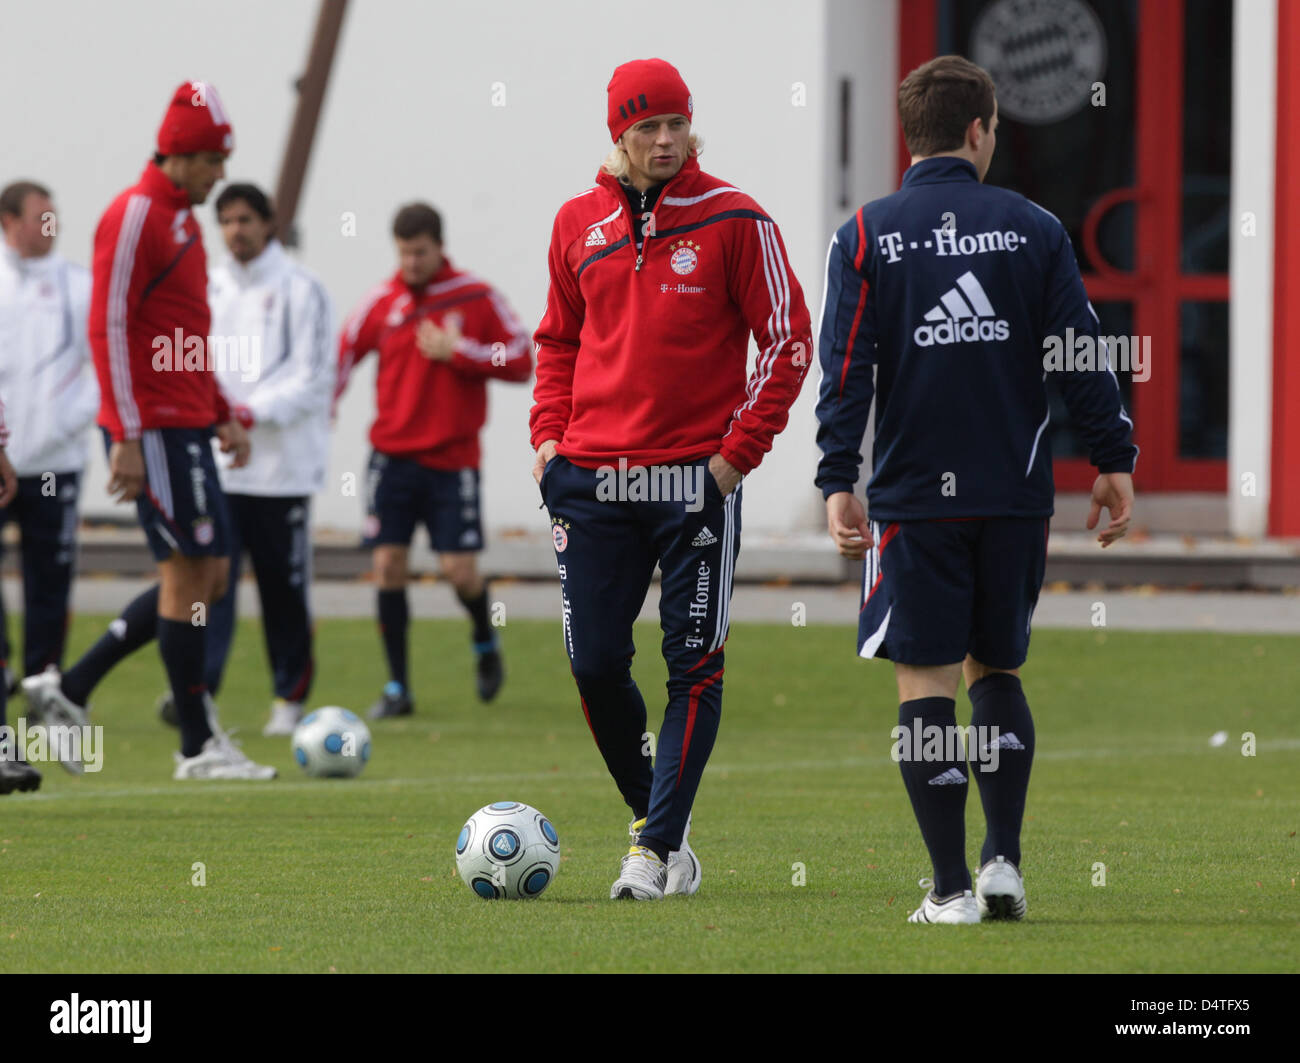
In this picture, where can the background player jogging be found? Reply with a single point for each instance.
(441, 333)
(948, 290)
(658, 276)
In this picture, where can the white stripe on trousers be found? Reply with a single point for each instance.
(728, 564)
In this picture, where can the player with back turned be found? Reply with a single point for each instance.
(949, 289)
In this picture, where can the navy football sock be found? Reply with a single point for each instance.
(999, 701)
(478, 612)
(936, 784)
(137, 625)
(394, 617)
(183, 647)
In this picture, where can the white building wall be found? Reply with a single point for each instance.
(410, 114)
(1250, 266)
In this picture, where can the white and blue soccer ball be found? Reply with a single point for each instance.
(331, 743)
(507, 850)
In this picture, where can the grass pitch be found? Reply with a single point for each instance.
(1198, 843)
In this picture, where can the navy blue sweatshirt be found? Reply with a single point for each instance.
(951, 291)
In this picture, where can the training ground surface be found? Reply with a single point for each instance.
(1199, 843)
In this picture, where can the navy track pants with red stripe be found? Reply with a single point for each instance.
(606, 547)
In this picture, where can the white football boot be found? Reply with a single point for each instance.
(642, 878)
(959, 908)
(220, 758)
(1000, 890)
(285, 717)
(684, 871)
(48, 706)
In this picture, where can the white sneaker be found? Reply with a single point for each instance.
(220, 758)
(285, 717)
(1000, 890)
(642, 878)
(48, 706)
(684, 871)
(959, 908)
(46, 702)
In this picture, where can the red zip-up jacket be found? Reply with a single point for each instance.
(149, 316)
(428, 411)
(643, 356)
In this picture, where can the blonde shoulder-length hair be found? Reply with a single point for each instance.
(616, 165)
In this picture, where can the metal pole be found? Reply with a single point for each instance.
(311, 95)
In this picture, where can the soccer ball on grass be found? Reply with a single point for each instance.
(331, 743)
(507, 850)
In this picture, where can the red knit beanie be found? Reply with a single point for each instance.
(195, 121)
(646, 87)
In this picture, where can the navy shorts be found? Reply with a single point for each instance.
(182, 508)
(934, 591)
(401, 493)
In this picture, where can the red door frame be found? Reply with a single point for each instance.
(1157, 286)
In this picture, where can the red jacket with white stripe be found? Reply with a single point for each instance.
(644, 356)
(149, 317)
(429, 411)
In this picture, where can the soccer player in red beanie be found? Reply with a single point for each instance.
(160, 406)
(644, 424)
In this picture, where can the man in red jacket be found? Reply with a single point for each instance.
(441, 334)
(159, 407)
(644, 424)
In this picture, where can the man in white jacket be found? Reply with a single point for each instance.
(52, 396)
(272, 349)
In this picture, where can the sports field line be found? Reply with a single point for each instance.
(1278, 745)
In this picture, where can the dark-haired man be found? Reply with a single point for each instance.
(441, 334)
(272, 337)
(952, 292)
(47, 376)
(159, 408)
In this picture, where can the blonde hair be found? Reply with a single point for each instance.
(616, 164)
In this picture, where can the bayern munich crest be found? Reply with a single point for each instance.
(559, 534)
(684, 258)
(1045, 56)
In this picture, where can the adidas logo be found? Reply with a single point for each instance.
(951, 777)
(705, 538)
(1006, 741)
(596, 238)
(962, 320)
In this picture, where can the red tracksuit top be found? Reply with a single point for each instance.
(644, 357)
(148, 301)
(427, 411)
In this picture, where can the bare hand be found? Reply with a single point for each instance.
(846, 520)
(9, 478)
(724, 474)
(544, 454)
(1113, 492)
(125, 470)
(234, 440)
(438, 344)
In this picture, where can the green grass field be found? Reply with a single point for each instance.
(1199, 844)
